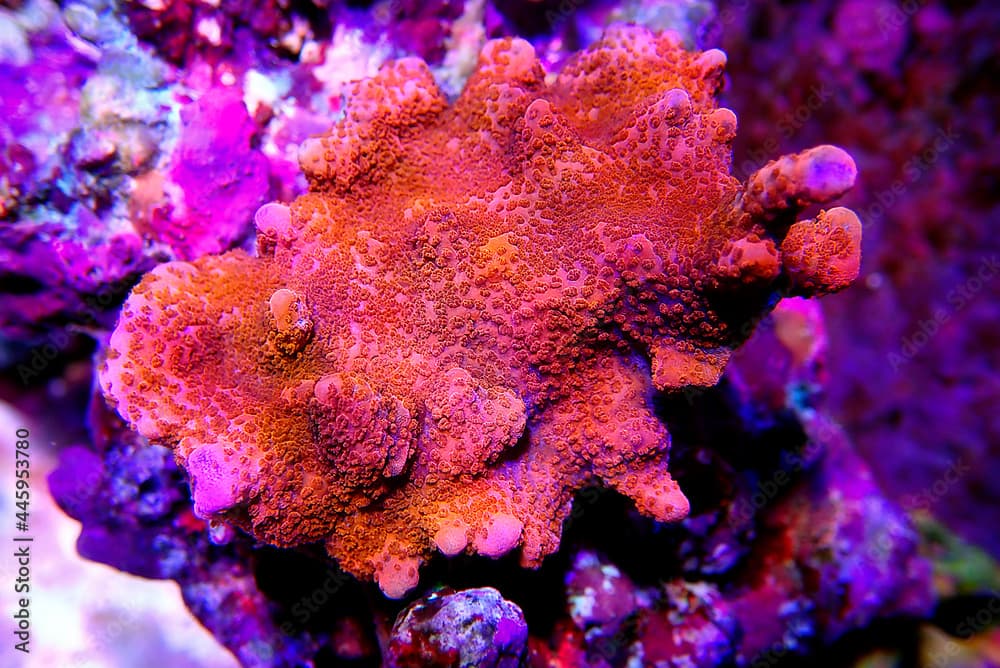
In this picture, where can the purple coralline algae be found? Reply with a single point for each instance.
(109, 175)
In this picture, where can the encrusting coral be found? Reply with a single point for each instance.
(466, 318)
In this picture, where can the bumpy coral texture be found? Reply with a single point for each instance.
(466, 318)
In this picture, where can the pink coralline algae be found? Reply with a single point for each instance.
(214, 168)
(468, 316)
(108, 166)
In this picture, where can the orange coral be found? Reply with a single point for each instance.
(467, 317)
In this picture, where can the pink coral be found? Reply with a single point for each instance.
(468, 316)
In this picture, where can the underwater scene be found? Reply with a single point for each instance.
(500, 333)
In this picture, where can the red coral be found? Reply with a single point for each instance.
(467, 317)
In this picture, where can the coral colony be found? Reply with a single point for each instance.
(451, 333)
(465, 320)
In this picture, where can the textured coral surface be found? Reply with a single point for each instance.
(466, 318)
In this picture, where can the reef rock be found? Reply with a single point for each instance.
(465, 629)
(466, 318)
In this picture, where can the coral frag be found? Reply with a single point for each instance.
(466, 318)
